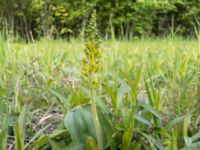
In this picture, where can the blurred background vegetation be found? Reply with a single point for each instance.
(116, 18)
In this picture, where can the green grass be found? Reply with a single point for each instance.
(137, 108)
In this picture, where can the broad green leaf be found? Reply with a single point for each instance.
(79, 123)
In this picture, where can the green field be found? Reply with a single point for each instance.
(148, 95)
(99, 75)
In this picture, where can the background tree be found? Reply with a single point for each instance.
(116, 18)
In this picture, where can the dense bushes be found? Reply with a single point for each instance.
(116, 18)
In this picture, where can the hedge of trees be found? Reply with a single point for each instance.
(116, 18)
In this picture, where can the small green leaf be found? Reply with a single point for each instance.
(152, 110)
(174, 122)
(142, 119)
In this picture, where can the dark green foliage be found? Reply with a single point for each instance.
(122, 19)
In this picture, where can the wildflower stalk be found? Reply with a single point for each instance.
(95, 117)
(90, 69)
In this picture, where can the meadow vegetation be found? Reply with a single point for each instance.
(72, 90)
(147, 95)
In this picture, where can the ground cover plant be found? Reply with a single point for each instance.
(140, 94)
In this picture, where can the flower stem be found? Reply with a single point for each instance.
(95, 116)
